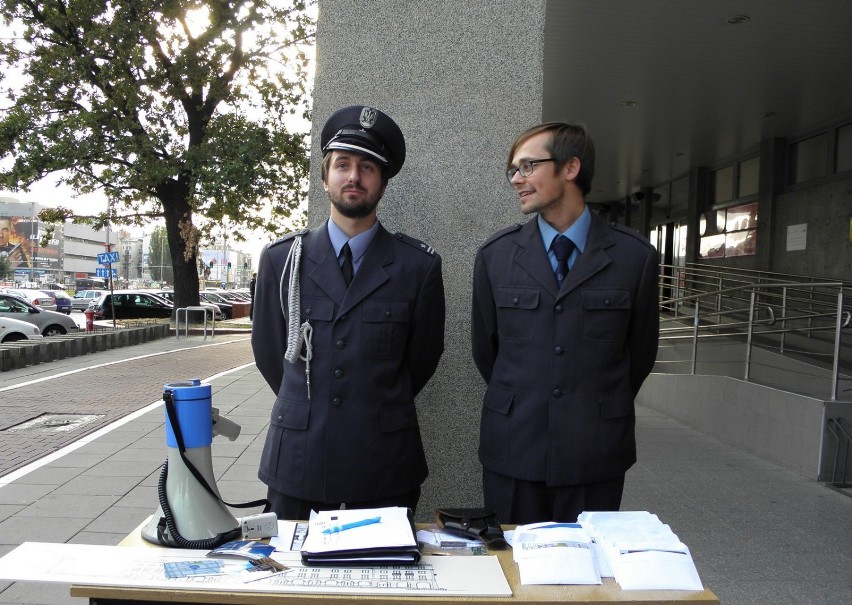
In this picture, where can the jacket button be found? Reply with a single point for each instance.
(308, 310)
(336, 402)
(340, 344)
(558, 350)
(515, 300)
(280, 419)
(388, 313)
(558, 308)
(607, 302)
(338, 373)
(557, 392)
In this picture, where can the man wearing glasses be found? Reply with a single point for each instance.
(564, 331)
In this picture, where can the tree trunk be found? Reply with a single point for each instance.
(178, 216)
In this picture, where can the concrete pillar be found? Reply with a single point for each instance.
(462, 80)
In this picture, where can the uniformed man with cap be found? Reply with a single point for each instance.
(348, 328)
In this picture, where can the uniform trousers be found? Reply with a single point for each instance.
(519, 502)
(295, 509)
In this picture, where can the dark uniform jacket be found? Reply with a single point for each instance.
(563, 367)
(374, 345)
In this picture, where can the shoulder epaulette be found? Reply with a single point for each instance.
(288, 237)
(415, 243)
(501, 233)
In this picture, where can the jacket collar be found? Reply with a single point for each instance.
(324, 270)
(532, 256)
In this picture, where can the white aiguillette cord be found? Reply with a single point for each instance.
(296, 334)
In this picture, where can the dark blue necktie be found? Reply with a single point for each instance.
(562, 248)
(346, 266)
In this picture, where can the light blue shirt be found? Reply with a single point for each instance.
(357, 244)
(577, 233)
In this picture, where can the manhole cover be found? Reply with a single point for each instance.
(55, 423)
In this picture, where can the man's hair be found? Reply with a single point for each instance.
(326, 162)
(567, 141)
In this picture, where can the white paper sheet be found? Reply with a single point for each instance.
(143, 567)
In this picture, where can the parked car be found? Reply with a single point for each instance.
(13, 330)
(169, 295)
(226, 306)
(82, 299)
(131, 304)
(60, 299)
(50, 323)
(37, 298)
(63, 301)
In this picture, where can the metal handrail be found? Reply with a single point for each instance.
(725, 305)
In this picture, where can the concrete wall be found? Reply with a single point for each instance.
(778, 426)
(826, 210)
(462, 80)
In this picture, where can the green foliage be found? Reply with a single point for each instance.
(169, 114)
(6, 271)
(160, 256)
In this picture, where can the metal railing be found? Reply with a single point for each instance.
(795, 315)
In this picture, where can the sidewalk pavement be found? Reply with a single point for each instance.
(758, 533)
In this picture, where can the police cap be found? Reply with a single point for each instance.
(367, 131)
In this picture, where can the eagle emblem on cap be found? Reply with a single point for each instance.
(368, 117)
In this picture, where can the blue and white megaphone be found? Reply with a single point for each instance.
(191, 513)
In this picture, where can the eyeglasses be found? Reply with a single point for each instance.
(526, 168)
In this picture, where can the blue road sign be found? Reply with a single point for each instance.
(107, 258)
(104, 272)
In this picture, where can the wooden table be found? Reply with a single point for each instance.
(608, 592)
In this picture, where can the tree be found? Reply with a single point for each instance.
(6, 271)
(159, 256)
(175, 109)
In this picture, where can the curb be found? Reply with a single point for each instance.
(23, 353)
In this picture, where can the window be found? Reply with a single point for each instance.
(843, 160)
(749, 177)
(735, 232)
(722, 185)
(808, 159)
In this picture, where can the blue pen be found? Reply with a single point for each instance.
(336, 528)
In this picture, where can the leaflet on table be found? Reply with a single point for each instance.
(361, 535)
(554, 553)
(436, 541)
(642, 552)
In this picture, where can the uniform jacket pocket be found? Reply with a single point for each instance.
(385, 325)
(516, 311)
(606, 314)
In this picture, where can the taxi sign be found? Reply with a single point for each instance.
(107, 258)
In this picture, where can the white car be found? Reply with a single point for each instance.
(36, 298)
(50, 323)
(13, 330)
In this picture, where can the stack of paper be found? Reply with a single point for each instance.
(554, 553)
(361, 536)
(642, 552)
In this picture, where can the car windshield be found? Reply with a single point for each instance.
(10, 304)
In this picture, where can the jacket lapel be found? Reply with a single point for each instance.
(371, 273)
(593, 259)
(323, 269)
(532, 257)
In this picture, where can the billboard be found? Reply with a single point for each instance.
(19, 242)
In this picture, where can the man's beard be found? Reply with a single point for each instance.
(355, 209)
